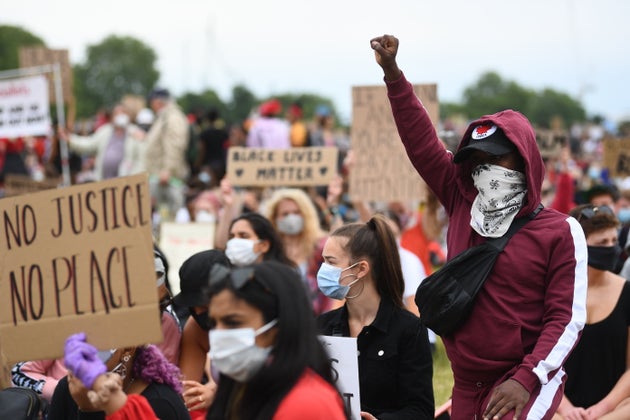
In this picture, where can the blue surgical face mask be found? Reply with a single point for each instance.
(329, 278)
(624, 215)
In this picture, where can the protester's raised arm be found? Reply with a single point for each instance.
(385, 49)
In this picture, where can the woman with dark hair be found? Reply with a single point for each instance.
(264, 343)
(140, 371)
(252, 239)
(598, 369)
(362, 266)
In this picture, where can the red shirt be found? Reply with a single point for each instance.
(312, 398)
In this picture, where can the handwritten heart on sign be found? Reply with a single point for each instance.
(239, 173)
(323, 170)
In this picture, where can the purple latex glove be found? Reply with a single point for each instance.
(81, 358)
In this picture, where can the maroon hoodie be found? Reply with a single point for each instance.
(532, 308)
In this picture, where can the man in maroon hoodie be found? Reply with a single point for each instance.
(507, 356)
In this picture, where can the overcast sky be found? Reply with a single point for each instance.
(578, 47)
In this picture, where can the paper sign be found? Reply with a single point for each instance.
(297, 166)
(179, 241)
(550, 142)
(42, 56)
(77, 259)
(345, 364)
(24, 107)
(617, 156)
(382, 171)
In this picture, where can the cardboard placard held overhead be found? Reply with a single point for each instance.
(550, 142)
(617, 156)
(382, 170)
(77, 259)
(42, 56)
(297, 166)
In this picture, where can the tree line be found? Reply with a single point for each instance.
(122, 65)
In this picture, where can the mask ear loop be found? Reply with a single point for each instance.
(352, 283)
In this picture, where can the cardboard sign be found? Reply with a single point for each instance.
(77, 259)
(179, 241)
(24, 107)
(617, 156)
(297, 166)
(550, 142)
(15, 184)
(345, 364)
(382, 171)
(42, 56)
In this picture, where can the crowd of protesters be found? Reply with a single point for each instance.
(342, 258)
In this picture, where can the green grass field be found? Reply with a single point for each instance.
(442, 375)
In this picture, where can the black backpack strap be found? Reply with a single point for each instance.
(501, 242)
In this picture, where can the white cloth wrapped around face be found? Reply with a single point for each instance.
(501, 195)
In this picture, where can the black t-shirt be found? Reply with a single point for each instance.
(164, 401)
(599, 359)
(213, 140)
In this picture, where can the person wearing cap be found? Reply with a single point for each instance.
(193, 275)
(507, 357)
(269, 130)
(165, 157)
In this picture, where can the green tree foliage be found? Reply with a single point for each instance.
(491, 94)
(550, 104)
(11, 39)
(243, 101)
(201, 103)
(241, 104)
(115, 67)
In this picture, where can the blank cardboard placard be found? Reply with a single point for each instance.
(297, 166)
(382, 170)
(77, 259)
(617, 156)
(42, 56)
(179, 241)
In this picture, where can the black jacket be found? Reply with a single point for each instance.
(395, 362)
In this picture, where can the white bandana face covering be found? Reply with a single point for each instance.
(501, 195)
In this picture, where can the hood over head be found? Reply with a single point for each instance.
(515, 128)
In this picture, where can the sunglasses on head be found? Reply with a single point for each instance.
(238, 277)
(588, 212)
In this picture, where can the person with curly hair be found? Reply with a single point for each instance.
(139, 371)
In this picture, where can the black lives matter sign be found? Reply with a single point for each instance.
(297, 166)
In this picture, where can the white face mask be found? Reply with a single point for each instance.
(205, 216)
(235, 353)
(240, 251)
(501, 195)
(121, 120)
(291, 224)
